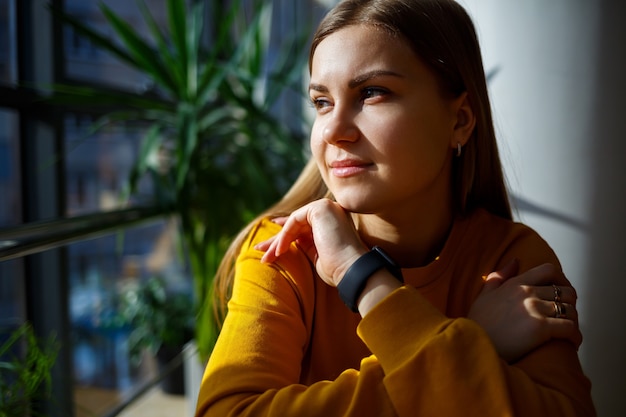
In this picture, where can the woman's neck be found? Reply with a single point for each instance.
(413, 239)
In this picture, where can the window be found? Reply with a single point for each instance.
(51, 168)
(99, 270)
(85, 62)
(10, 209)
(96, 168)
(98, 165)
(11, 274)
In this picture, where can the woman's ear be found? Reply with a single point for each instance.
(465, 120)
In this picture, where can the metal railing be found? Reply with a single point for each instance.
(27, 239)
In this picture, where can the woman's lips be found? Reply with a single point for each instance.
(348, 167)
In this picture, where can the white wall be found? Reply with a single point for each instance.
(559, 99)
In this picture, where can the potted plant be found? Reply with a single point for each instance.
(161, 322)
(215, 153)
(25, 365)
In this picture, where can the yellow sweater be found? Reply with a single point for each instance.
(290, 347)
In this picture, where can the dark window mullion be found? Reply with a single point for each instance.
(46, 285)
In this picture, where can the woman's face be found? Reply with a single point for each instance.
(384, 134)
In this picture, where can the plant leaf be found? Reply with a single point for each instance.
(151, 141)
(177, 19)
(213, 72)
(148, 60)
(188, 127)
(194, 31)
(169, 60)
(95, 37)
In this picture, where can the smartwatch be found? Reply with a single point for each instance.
(355, 279)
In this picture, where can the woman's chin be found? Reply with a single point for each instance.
(356, 204)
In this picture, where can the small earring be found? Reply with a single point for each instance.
(459, 149)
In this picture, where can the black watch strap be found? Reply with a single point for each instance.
(352, 284)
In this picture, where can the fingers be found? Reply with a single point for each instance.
(297, 227)
(546, 282)
(559, 318)
(263, 246)
(558, 310)
(280, 220)
(557, 293)
(495, 279)
(546, 274)
(509, 270)
(567, 329)
(270, 252)
(268, 245)
(294, 227)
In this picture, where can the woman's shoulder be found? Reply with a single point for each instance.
(260, 231)
(293, 264)
(510, 237)
(497, 226)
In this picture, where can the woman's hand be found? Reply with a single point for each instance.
(324, 230)
(519, 313)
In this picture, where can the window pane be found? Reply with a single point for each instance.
(8, 61)
(12, 306)
(11, 272)
(10, 208)
(87, 62)
(100, 271)
(98, 165)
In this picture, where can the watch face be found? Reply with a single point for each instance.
(392, 266)
(384, 255)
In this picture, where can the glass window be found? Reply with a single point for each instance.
(98, 165)
(100, 271)
(10, 208)
(11, 272)
(84, 61)
(12, 306)
(8, 59)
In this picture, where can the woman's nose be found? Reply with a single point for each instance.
(340, 128)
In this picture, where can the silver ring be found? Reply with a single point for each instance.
(557, 293)
(559, 310)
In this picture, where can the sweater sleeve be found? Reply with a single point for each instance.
(255, 367)
(434, 365)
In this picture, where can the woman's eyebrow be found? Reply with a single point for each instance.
(318, 87)
(358, 80)
(365, 77)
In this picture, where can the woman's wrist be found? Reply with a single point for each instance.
(363, 274)
(361, 270)
(378, 287)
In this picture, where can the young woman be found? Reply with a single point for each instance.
(371, 294)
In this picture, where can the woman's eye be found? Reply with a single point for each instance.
(320, 103)
(372, 92)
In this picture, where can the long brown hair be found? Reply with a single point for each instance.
(443, 36)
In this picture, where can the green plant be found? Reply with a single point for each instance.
(25, 364)
(157, 317)
(209, 113)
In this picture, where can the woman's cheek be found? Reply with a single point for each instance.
(315, 141)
